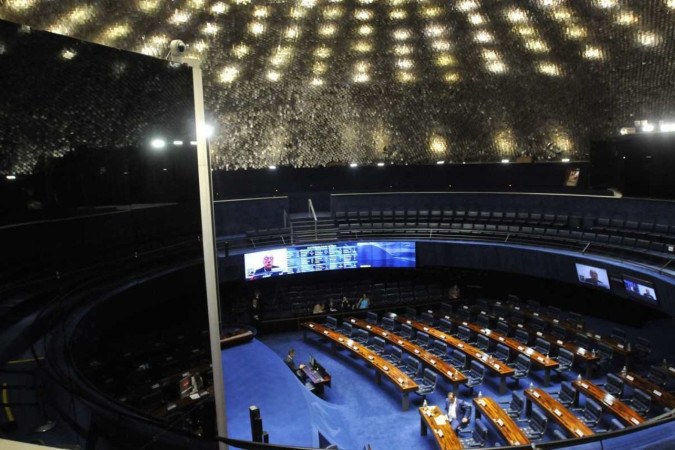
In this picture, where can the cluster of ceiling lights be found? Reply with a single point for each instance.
(645, 126)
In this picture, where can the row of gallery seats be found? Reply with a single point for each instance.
(642, 240)
(292, 300)
(145, 372)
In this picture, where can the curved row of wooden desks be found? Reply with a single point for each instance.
(382, 367)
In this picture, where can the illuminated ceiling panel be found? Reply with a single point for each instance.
(473, 80)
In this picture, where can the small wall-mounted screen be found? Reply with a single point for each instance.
(593, 276)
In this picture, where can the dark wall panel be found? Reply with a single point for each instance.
(239, 216)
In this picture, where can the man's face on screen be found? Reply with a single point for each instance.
(268, 261)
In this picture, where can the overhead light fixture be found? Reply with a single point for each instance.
(158, 143)
(565, 160)
(505, 161)
(380, 164)
(353, 165)
(193, 142)
(440, 162)
(648, 127)
(273, 167)
(11, 177)
(177, 142)
(666, 127)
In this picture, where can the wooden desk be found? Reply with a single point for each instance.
(318, 378)
(657, 393)
(382, 367)
(579, 352)
(505, 426)
(494, 365)
(537, 358)
(448, 371)
(609, 403)
(556, 411)
(444, 434)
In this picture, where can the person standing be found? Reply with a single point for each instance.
(364, 302)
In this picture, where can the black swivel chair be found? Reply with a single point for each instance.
(475, 376)
(411, 366)
(567, 395)
(388, 323)
(591, 413)
(536, 426)
(464, 333)
(377, 345)
(371, 317)
(331, 322)
(478, 438)
(426, 383)
(502, 353)
(516, 405)
(641, 402)
(522, 368)
(614, 385)
(428, 318)
(542, 346)
(395, 355)
(407, 332)
(439, 349)
(522, 336)
(361, 336)
(483, 343)
(457, 359)
(445, 325)
(422, 339)
(565, 360)
(503, 327)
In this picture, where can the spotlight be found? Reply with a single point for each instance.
(11, 177)
(565, 160)
(272, 167)
(352, 165)
(505, 161)
(158, 143)
(177, 142)
(440, 162)
(380, 164)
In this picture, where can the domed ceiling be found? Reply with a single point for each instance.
(317, 82)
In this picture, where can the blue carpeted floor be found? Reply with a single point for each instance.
(355, 411)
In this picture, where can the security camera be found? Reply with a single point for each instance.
(177, 47)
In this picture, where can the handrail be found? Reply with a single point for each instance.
(310, 205)
(311, 210)
(285, 218)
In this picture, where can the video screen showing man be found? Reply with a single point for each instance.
(266, 264)
(593, 276)
(638, 290)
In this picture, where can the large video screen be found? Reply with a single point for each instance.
(317, 258)
(639, 289)
(593, 276)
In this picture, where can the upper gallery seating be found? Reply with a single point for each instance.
(647, 241)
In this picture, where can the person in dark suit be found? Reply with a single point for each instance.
(458, 411)
(268, 269)
(290, 362)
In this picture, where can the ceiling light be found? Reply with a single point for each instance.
(158, 143)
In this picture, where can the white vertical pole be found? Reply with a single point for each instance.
(210, 266)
